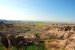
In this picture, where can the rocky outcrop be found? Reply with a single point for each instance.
(60, 39)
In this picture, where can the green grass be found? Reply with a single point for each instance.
(28, 48)
(1, 48)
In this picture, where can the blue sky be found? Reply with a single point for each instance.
(38, 10)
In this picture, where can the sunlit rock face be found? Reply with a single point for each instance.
(59, 37)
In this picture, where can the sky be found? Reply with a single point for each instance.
(38, 10)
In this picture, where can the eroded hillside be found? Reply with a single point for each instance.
(55, 36)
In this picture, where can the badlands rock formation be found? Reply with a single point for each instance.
(60, 37)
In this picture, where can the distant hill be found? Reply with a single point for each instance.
(8, 21)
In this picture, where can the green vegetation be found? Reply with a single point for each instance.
(33, 47)
(1, 48)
